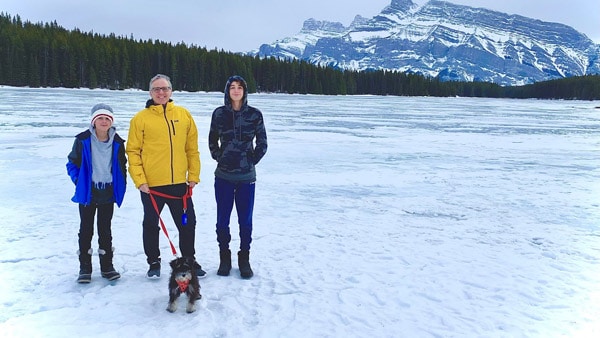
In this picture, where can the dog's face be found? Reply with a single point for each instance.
(182, 264)
(183, 271)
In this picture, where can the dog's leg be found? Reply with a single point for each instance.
(193, 293)
(173, 296)
(191, 305)
(172, 307)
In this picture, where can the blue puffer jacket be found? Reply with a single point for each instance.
(79, 168)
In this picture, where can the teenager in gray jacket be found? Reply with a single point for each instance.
(237, 141)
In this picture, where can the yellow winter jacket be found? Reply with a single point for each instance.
(162, 146)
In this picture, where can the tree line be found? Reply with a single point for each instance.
(48, 55)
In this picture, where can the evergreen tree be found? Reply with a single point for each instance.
(47, 55)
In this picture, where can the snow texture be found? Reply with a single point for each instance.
(374, 217)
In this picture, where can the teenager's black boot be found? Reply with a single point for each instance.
(244, 264)
(225, 264)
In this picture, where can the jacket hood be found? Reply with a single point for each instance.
(112, 131)
(244, 85)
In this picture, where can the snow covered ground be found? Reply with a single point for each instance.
(375, 217)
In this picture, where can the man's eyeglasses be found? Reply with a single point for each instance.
(160, 89)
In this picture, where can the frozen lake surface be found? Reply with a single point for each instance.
(375, 216)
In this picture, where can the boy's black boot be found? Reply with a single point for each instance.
(85, 267)
(106, 264)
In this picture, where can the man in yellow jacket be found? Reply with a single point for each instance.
(164, 163)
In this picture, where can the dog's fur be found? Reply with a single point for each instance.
(182, 270)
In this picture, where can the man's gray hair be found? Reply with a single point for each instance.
(159, 76)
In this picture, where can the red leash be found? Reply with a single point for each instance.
(188, 193)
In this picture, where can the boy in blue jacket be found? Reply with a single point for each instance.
(97, 167)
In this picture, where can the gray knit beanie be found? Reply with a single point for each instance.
(102, 109)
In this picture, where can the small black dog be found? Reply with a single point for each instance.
(183, 280)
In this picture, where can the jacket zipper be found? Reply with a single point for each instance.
(171, 134)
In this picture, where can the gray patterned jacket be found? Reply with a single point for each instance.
(231, 138)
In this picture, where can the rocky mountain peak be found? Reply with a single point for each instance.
(445, 40)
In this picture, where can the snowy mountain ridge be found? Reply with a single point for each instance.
(439, 38)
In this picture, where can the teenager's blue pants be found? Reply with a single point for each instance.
(242, 195)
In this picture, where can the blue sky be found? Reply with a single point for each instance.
(239, 26)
